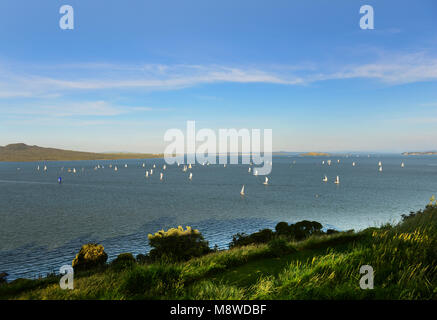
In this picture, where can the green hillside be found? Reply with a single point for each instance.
(23, 152)
(404, 258)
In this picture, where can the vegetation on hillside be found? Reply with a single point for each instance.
(321, 266)
(23, 152)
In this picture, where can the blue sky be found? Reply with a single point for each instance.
(132, 69)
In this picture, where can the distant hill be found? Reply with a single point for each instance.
(24, 152)
(419, 153)
(314, 154)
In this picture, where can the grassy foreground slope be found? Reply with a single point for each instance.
(22, 152)
(404, 259)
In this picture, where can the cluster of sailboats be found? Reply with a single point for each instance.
(189, 166)
(337, 179)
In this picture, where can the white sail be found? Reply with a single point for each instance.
(224, 166)
(255, 173)
(74, 170)
(37, 168)
(242, 191)
(147, 174)
(323, 162)
(115, 168)
(189, 166)
(154, 166)
(337, 180)
(144, 165)
(164, 167)
(191, 176)
(250, 169)
(380, 169)
(151, 171)
(161, 176)
(353, 164)
(325, 179)
(379, 163)
(45, 168)
(266, 182)
(402, 165)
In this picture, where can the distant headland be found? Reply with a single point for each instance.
(426, 153)
(314, 154)
(20, 152)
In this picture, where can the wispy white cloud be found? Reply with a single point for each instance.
(42, 82)
(75, 109)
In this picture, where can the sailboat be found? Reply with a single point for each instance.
(325, 179)
(184, 169)
(147, 174)
(189, 166)
(151, 171)
(37, 168)
(323, 162)
(161, 176)
(255, 173)
(144, 165)
(266, 182)
(250, 169)
(74, 170)
(402, 165)
(191, 176)
(154, 166)
(329, 162)
(380, 169)
(45, 168)
(337, 180)
(115, 168)
(353, 164)
(224, 166)
(380, 163)
(242, 191)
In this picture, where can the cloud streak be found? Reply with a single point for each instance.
(391, 70)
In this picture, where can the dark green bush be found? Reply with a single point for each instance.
(279, 247)
(242, 239)
(177, 244)
(123, 261)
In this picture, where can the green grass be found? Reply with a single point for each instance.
(404, 258)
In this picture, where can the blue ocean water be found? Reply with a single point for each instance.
(43, 223)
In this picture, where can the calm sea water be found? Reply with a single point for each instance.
(43, 224)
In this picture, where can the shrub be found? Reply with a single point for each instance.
(282, 228)
(142, 258)
(177, 244)
(279, 246)
(305, 228)
(242, 239)
(123, 260)
(91, 255)
(3, 276)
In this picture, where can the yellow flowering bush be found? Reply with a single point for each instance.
(90, 255)
(177, 244)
